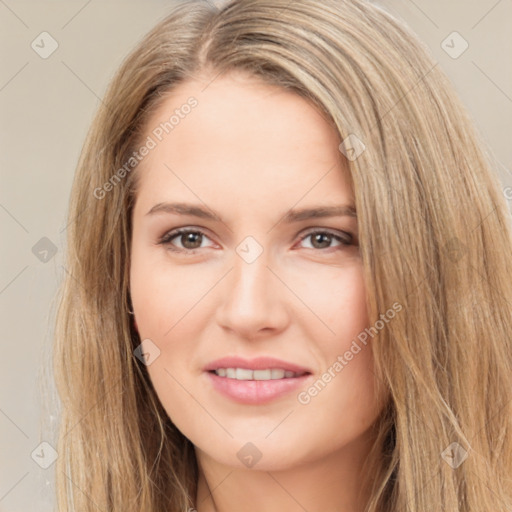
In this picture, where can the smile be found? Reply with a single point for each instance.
(247, 374)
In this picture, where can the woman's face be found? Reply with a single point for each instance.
(261, 268)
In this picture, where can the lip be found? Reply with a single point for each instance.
(258, 363)
(255, 392)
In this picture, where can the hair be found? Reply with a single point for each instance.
(434, 233)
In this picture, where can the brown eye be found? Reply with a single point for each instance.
(324, 240)
(183, 240)
(321, 240)
(191, 240)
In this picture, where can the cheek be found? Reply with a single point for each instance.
(164, 297)
(344, 392)
(168, 312)
(336, 300)
(172, 310)
(347, 307)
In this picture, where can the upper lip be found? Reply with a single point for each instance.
(258, 363)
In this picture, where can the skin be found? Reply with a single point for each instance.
(251, 152)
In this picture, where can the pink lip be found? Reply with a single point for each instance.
(255, 391)
(259, 363)
(252, 391)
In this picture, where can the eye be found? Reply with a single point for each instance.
(187, 240)
(322, 239)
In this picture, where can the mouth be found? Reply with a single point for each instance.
(248, 374)
(255, 381)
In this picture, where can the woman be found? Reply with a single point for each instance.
(289, 263)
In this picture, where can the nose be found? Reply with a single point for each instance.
(253, 300)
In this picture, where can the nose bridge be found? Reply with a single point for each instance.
(251, 299)
(250, 281)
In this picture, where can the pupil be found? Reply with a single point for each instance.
(318, 238)
(191, 240)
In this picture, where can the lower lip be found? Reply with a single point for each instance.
(255, 391)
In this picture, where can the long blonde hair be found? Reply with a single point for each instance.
(434, 232)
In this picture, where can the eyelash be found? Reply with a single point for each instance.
(166, 239)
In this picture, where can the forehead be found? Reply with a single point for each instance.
(244, 137)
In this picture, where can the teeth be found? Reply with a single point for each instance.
(262, 374)
(277, 374)
(245, 374)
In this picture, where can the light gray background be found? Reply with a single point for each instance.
(46, 108)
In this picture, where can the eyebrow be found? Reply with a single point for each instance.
(291, 216)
